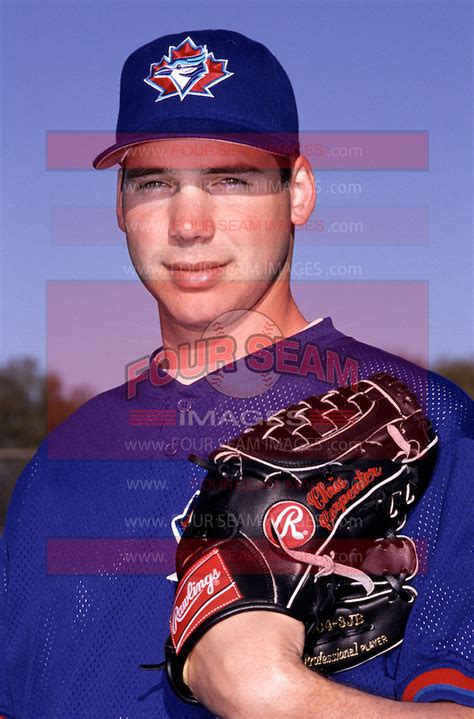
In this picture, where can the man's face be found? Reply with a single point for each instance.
(208, 225)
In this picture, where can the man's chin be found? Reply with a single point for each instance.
(199, 316)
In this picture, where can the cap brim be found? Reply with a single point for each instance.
(275, 143)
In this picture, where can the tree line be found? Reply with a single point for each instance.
(33, 403)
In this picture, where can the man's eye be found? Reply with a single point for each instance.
(233, 181)
(152, 185)
(228, 184)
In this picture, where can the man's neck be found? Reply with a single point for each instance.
(231, 336)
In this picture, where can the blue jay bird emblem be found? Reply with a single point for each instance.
(188, 69)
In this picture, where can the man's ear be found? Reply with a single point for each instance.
(303, 191)
(119, 201)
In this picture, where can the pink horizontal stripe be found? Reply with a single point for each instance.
(326, 150)
(349, 226)
(142, 414)
(124, 556)
(153, 411)
(150, 423)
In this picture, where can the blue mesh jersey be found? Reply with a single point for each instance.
(87, 556)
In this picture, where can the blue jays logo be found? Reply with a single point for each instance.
(188, 69)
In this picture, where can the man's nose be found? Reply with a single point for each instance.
(191, 215)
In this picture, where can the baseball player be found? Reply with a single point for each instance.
(211, 186)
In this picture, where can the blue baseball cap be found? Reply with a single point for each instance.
(215, 84)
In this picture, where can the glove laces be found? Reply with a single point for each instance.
(326, 564)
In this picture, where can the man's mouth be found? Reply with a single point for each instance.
(194, 266)
(196, 275)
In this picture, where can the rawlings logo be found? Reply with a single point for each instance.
(293, 522)
(194, 590)
(188, 69)
(204, 590)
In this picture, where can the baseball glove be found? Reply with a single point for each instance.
(277, 501)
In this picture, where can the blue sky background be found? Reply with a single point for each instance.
(354, 66)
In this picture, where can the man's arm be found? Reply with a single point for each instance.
(249, 666)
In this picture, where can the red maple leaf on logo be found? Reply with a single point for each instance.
(188, 69)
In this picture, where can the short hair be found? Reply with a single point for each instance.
(286, 164)
(285, 175)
